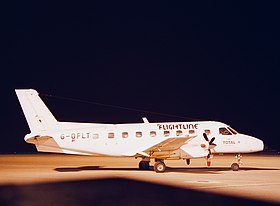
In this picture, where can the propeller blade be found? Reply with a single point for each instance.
(211, 141)
(205, 137)
(212, 146)
(208, 163)
(208, 160)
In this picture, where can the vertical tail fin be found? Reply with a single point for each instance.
(38, 116)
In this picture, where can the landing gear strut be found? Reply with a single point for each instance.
(235, 166)
(159, 166)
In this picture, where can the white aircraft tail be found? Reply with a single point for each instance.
(38, 116)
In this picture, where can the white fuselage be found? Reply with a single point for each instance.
(132, 139)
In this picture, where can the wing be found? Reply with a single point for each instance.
(167, 145)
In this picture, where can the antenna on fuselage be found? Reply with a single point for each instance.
(145, 120)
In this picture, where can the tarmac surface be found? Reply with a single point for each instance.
(35, 178)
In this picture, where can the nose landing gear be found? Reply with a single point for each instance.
(235, 166)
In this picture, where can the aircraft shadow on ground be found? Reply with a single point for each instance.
(113, 191)
(197, 170)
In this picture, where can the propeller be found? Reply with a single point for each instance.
(211, 145)
(211, 141)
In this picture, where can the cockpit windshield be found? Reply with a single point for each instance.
(233, 130)
(227, 131)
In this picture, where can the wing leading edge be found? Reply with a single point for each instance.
(168, 145)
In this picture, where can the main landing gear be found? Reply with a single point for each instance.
(144, 165)
(159, 166)
(235, 166)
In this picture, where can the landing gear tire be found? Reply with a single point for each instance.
(159, 167)
(144, 165)
(235, 166)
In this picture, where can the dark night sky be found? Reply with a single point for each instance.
(204, 60)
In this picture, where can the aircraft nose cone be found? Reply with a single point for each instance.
(258, 145)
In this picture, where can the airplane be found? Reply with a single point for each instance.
(149, 141)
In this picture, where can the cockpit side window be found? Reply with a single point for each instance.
(224, 131)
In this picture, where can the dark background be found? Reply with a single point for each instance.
(206, 60)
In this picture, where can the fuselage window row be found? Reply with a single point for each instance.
(139, 134)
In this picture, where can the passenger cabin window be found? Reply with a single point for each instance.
(124, 134)
(138, 134)
(191, 131)
(166, 133)
(153, 133)
(224, 131)
(179, 133)
(95, 136)
(111, 135)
